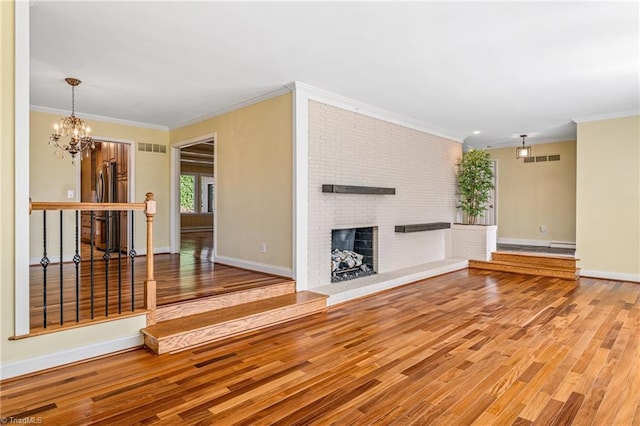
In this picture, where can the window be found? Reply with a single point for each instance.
(187, 193)
(197, 193)
(207, 190)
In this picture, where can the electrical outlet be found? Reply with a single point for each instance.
(70, 194)
(543, 229)
(263, 247)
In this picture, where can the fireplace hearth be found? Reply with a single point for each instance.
(353, 253)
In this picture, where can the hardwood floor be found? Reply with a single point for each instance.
(469, 347)
(179, 277)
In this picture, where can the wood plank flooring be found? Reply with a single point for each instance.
(470, 347)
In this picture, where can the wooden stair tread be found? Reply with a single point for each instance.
(542, 255)
(223, 300)
(186, 324)
(565, 263)
(520, 265)
(522, 268)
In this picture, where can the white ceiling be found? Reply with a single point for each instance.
(500, 68)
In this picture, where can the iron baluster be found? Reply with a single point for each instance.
(61, 275)
(76, 260)
(119, 238)
(132, 255)
(106, 256)
(45, 263)
(92, 243)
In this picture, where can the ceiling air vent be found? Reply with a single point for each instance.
(541, 158)
(554, 157)
(152, 147)
(529, 160)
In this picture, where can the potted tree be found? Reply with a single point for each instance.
(475, 182)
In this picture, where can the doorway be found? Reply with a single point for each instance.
(196, 199)
(105, 178)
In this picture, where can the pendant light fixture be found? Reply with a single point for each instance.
(70, 134)
(523, 151)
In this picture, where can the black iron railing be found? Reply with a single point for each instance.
(88, 277)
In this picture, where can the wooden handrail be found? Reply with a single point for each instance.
(64, 205)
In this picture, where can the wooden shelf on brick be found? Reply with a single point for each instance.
(419, 227)
(348, 189)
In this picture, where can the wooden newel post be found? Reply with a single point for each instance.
(150, 282)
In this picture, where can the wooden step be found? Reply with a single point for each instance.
(522, 268)
(185, 332)
(204, 304)
(566, 263)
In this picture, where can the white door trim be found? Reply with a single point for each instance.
(174, 171)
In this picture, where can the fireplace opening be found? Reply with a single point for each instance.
(353, 253)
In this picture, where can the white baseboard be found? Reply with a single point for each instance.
(26, 366)
(184, 230)
(618, 276)
(537, 243)
(562, 244)
(156, 250)
(524, 242)
(254, 266)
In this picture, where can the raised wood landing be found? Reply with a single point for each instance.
(179, 278)
(470, 347)
(184, 332)
(530, 264)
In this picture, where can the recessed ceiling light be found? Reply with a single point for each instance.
(476, 132)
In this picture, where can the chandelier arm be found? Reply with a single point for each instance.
(72, 128)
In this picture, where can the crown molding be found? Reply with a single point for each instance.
(609, 116)
(353, 105)
(274, 93)
(56, 111)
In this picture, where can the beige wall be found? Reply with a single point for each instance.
(533, 194)
(51, 177)
(33, 353)
(608, 201)
(254, 180)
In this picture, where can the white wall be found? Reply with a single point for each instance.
(348, 148)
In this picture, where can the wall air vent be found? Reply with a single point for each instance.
(152, 147)
(554, 157)
(529, 160)
(541, 158)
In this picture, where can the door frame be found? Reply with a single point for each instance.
(131, 174)
(174, 217)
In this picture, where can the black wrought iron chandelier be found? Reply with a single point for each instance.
(71, 135)
(523, 151)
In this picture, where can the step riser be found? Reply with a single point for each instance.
(568, 264)
(569, 275)
(205, 304)
(231, 328)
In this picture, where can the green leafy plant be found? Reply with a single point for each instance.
(187, 193)
(475, 181)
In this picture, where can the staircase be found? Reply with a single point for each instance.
(186, 324)
(530, 264)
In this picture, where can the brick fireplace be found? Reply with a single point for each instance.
(353, 253)
(408, 177)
